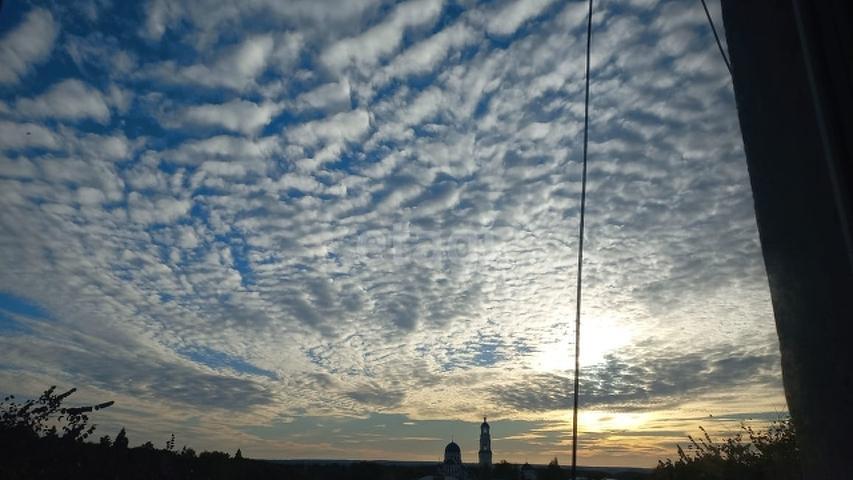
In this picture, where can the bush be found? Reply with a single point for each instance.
(749, 454)
(121, 442)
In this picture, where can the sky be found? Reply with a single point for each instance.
(322, 229)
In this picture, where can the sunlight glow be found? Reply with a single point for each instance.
(601, 335)
(600, 421)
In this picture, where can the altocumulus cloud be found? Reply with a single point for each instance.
(67, 100)
(255, 211)
(29, 43)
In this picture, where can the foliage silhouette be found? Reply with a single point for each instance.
(553, 472)
(121, 441)
(33, 417)
(750, 455)
(504, 470)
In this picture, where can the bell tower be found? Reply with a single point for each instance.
(485, 445)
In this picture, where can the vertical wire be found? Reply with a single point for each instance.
(580, 250)
(717, 37)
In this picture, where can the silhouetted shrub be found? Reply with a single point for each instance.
(749, 454)
(213, 456)
(121, 441)
(553, 471)
(187, 452)
(504, 470)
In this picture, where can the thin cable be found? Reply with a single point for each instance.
(580, 250)
(717, 37)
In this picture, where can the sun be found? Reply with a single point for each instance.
(599, 336)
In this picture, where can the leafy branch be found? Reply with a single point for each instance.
(40, 417)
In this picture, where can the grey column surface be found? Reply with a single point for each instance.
(792, 63)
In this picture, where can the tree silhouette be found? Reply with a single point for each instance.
(187, 452)
(504, 471)
(33, 416)
(553, 472)
(121, 441)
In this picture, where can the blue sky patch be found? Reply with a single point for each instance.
(220, 360)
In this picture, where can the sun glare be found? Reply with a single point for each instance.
(599, 421)
(600, 336)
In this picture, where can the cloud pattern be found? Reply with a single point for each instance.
(268, 210)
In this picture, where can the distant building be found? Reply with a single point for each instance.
(485, 453)
(452, 467)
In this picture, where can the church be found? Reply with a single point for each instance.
(452, 467)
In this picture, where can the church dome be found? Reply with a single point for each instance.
(452, 455)
(452, 447)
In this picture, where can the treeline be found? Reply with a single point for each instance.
(41, 439)
(504, 470)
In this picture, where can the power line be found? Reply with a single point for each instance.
(717, 37)
(580, 250)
